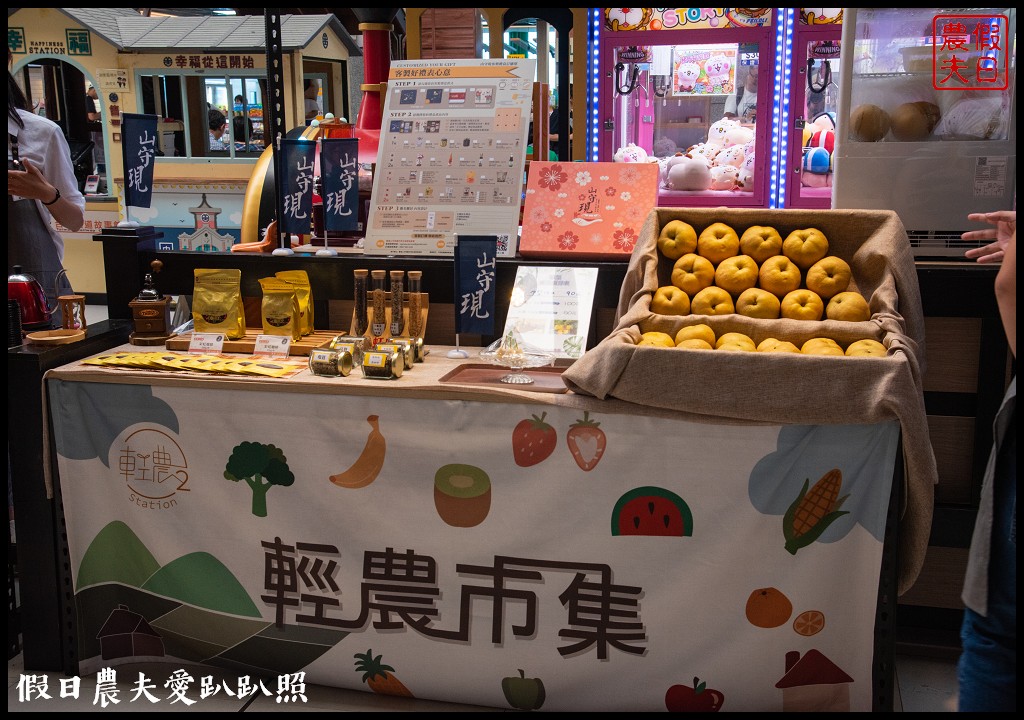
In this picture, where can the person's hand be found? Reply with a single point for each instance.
(30, 184)
(1004, 225)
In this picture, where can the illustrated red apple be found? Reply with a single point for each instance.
(681, 698)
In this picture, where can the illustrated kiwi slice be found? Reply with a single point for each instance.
(462, 494)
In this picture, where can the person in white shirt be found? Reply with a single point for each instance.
(742, 105)
(41, 185)
(218, 126)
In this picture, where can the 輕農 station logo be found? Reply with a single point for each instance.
(153, 467)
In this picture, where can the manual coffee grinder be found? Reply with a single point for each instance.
(151, 312)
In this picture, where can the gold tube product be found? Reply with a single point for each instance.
(362, 318)
(378, 318)
(383, 365)
(415, 303)
(330, 363)
(397, 303)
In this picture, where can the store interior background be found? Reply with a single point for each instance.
(926, 675)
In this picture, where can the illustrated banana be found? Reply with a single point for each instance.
(366, 467)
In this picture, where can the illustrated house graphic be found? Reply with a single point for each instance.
(813, 682)
(126, 634)
(205, 236)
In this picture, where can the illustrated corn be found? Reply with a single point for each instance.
(813, 511)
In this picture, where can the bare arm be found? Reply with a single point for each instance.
(33, 185)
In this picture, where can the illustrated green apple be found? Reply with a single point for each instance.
(699, 698)
(523, 693)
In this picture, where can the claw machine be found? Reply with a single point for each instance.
(693, 90)
(928, 124)
(810, 107)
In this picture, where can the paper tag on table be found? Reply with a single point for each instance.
(551, 307)
(275, 347)
(202, 343)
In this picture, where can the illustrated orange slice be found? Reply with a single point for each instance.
(809, 622)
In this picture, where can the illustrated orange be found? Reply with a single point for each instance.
(779, 275)
(760, 242)
(692, 273)
(712, 301)
(701, 331)
(736, 274)
(809, 622)
(718, 242)
(768, 608)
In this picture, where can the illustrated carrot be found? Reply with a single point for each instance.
(813, 511)
(378, 676)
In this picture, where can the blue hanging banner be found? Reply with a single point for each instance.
(297, 159)
(339, 181)
(138, 143)
(475, 263)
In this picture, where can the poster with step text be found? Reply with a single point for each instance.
(451, 156)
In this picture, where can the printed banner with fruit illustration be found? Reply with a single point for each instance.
(526, 556)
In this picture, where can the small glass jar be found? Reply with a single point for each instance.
(378, 295)
(413, 289)
(397, 303)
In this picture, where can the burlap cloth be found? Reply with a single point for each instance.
(786, 388)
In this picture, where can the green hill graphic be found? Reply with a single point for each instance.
(201, 579)
(116, 555)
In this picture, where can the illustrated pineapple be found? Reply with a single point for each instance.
(378, 676)
(813, 511)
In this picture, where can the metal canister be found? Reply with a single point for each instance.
(403, 345)
(384, 365)
(330, 362)
(420, 348)
(356, 344)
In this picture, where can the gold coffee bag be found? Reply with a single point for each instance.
(217, 302)
(280, 309)
(300, 280)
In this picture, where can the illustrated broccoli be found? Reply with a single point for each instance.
(255, 462)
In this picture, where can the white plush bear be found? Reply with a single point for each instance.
(717, 69)
(731, 156)
(630, 153)
(703, 151)
(719, 131)
(738, 135)
(686, 76)
(745, 181)
(688, 173)
(724, 177)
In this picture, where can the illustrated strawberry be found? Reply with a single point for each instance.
(533, 441)
(586, 442)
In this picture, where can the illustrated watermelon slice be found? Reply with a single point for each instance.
(652, 511)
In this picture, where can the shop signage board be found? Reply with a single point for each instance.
(451, 156)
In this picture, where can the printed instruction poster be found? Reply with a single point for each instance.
(451, 156)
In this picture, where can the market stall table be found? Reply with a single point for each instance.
(481, 541)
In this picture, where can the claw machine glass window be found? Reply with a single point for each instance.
(694, 92)
(929, 124)
(811, 114)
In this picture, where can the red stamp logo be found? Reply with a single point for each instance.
(969, 52)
